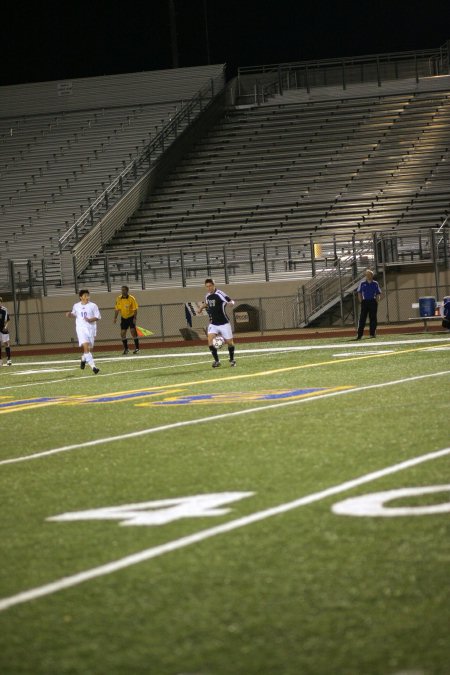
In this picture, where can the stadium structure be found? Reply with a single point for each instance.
(301, 174)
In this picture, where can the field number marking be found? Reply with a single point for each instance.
(374, 504)
(203, 535)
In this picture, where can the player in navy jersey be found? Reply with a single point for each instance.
(369, 294)
(219, 324)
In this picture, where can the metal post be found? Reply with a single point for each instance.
(354, 262)
(44, 277)
(261, 318)
(341, 296)
(161, 319)
(183, 270)
(141, 265)
(107, 274)
(355, 311)
(30, 276)
(225, 264)
(344, 86)
(386, 295)
(313, 258)
(378, 72)
(14, 296)
(280, 81)
(304, 304)
(75, 273)
(266, 263)
(435, 259)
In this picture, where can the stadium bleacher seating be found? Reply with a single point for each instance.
(295, 165)
(292, 168)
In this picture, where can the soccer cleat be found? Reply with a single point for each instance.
(232, 363)
(8, 363)
(136, 351)
(95, 370)
(125, 351)
(216, 364)
(372, 336)
(82, 364)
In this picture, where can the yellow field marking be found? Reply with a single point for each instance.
(291, 368)
(75, 398)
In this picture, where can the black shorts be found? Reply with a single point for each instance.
(127, 323)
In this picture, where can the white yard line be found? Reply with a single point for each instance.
(240, 353)
(212, 418)
(349, 344)
(183, 542)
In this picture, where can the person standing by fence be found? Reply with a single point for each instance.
(369, 294)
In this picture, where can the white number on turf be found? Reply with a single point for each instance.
(161, 511)
(374, 504)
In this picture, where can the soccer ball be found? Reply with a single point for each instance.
(218, 342)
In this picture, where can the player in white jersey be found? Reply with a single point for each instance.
(86, 315)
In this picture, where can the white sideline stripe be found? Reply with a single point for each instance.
(241, 350)
(211, 418)
(156, 551)
(64, 380)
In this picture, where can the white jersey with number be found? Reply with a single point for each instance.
(86, 331)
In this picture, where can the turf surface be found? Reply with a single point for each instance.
(272, 583)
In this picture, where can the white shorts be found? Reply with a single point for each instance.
(224, 330)
(86, 336)
(5, 338)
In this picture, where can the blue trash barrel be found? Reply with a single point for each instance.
(427, 306)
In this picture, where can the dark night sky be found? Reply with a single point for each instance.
(63, 40)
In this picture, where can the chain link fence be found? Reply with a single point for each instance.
(253, 315)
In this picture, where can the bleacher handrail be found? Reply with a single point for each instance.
(385, 56)
(436, 61)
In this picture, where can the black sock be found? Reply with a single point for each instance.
(231, 352)
(8, 352)
(125, 344)
(136, 343)
(213, 351)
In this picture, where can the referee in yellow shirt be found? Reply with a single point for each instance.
(127, 306)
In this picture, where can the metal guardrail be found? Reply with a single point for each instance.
(305, 257)
(258, 83)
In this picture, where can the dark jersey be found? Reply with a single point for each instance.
(216, 303)
(4, 317)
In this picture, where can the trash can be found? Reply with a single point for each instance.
(427, 306)
(246, 318)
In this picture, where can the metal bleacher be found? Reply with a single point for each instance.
(294, 168)
(293, 165)
(54, 163)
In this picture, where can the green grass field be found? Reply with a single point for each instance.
(258, 575)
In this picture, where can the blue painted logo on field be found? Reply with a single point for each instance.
(173, 397)
(241, 397)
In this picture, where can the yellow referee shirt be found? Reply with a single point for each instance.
(126, 306)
